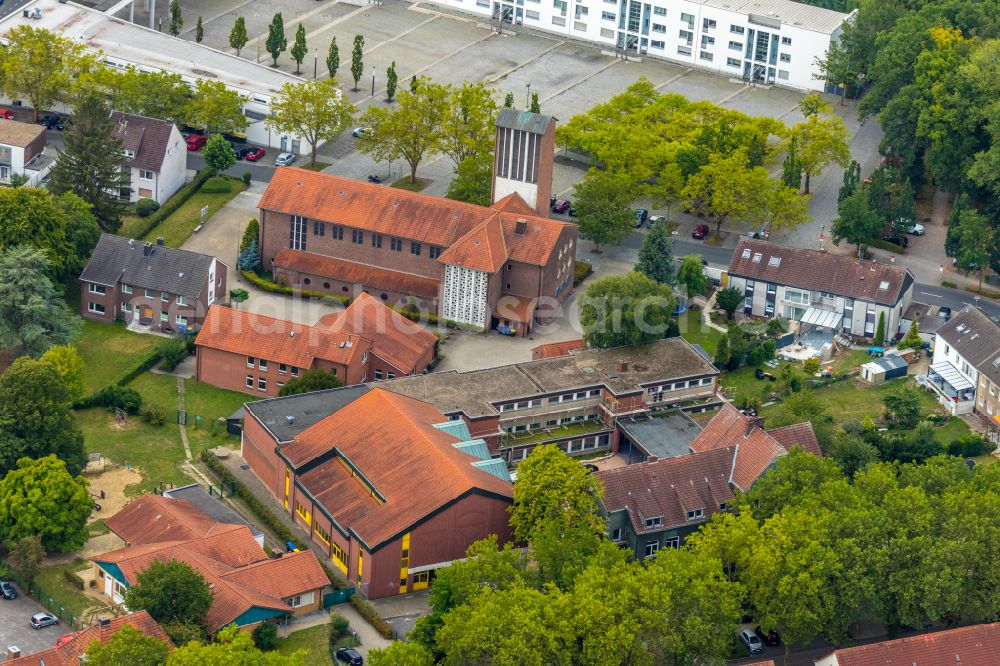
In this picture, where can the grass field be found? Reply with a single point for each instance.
(313, 640)
(694, 331)
(180, 225)
(64, 598)
(109, 350)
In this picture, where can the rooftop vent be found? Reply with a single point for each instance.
(521, 227)
(289, 420)
(291, 334)
(159, 241)
(147, 249)
(621, 366)
(105, 622)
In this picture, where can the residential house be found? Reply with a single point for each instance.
(22, 147)
(839, 293)
(655, 504)
(151, 286)
(247, 586)
(964, 646)
(155, 155)
(72, 650)
(504, 266)
(965, 369)
(247, 352)
(386, 484)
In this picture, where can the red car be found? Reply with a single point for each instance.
(254, 154)
(6, 113)
(196, 141)
(560, 206)
(700, 231)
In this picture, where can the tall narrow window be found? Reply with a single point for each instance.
(297, 233)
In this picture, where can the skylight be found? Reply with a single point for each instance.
(756, 257)
(774, 261)
(746, 253)
(883, 285)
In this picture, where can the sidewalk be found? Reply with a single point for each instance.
(366, 634)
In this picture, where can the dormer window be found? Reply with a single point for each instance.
(774, 262)
(654, 522)
(129, 153)
(696, 513)
(746, 253)
(723, 506)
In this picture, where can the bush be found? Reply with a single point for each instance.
(581, 270)
(216, 185)
(368, 612)
(74, 579)
(172, 204)
(247, 177)
(182, 633)
(267, 285)
(265, 636)
(146, 207)
(339, 626)
(810, 366)
(114, 397)
(154, 416)
(949, 284)
(172, 352)
(968, 446)
(145, 364)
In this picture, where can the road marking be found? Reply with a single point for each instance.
(579, 81)
(669, 81)
(927, 293)
(732, 95)
(221, 14)
(526, 62)
(402, 34)
(790, 109)
(309, 14)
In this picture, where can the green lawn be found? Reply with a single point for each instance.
(60, 596)
(180, 225)
(313, 640)
(405, 184)
(694, 331)
(319, 166)
(109, 351)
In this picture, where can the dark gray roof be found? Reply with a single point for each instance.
(526, 121)
(117, 259)
(148, 138)
(976, 338)
(211, 506)
(665, 436)
(891, 362)
(286, 417)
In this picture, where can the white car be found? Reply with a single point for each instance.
(284, 159)
(911, 227)
(360, 131)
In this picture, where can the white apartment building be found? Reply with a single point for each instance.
(765, 41)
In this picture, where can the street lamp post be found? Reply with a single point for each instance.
(315, 63)
(527, 95)
(258, 47)
(373, 80)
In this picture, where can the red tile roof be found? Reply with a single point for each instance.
(364, 275)
(69, 653)
(798, 434)
(154, 518)
(283, 577)
(554, 349)
(482, 249)
(967, 646)
(514, 203)
(392, 441)
(395, 338)
(277, 340)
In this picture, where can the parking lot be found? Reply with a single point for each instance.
(14, 629)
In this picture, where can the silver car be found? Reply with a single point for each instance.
(749, 638)
(284, 159)
(39, 620)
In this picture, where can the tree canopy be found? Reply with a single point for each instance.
(602, 207)
(625, 310)
(33, 314)
(656, 255)
(231, 648)
(315, 110)
(170, 592)
(315, 379)
(39, 498)
(473, 181)
(128, 647)
(40, 65)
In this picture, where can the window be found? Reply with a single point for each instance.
(295, 371)
(608, 16)
(736, 29)
(126, 289)
(180, 321)
(339, 557)
(783, 74)
(262, 364)
(150, 293)
(686, 35)
(696, 513)
(126, 306)
(321, 532)
(297, 233)
(723, 506)
(797, 296)
(415, 249)
(97, 289)
(357, 236)
(378, 373)
(250, 361)
(165, 297)
(707, 23)
(672, 542)
(687, 18)
(391, 375)
(261, 384)
(282, 368)
(145, 175)
(434, 251)
(660, 11)
(651, 548)
(683, 50)
(732, 62)
(707, 41)
(180, 300)
(774, 261)
(95, 307)
(164, 316)
(757, 257)
(336, 232)
(785, 57)
(396, 244)
(787, 41)
(319, 228)
(654, 522)
(616, 534)
(746, 253)
(301, 600)
(735, 46)
(531, 15)
(659, 27)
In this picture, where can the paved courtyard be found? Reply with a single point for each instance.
(14, 628)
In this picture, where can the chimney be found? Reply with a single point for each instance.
(521, 227)
(105, 629)
(147, 249)
(159, 241)
(754, 422)
(13, 652)
(621, 366)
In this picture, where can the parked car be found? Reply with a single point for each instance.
(350, 656)
(700, 231)
(896, 239)
(7, 590)
(196, 141)
(254, 153)
(653, 219)
(750, 639)
(240, 150)
(6, 114)
(561, 206)
(51, 120)
(63, 123)
(284, 159)
(770, 638)
(359, 132)
(640, 217)
(39, 620)
(909, 226)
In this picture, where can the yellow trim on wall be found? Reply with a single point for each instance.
(288, 483)
(339, 557)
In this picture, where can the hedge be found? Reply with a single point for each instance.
(74, 579)
(581, 271)
(145, 364)
(173, 203)
(367, 611)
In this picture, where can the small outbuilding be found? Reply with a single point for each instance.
(883, 369)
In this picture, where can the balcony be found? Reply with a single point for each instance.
(955, 392)
(541, 435)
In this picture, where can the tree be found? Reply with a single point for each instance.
(231, 648)
(656, 255)
(856, 220)
(357, 60)
(413, 84)
(170, 592)
(821, 141)
(975, 241)
(26, 557)
(535, 106)
(33, 315)
(691, 275)
(399, 653)
(161, 95)
(625, 310)
(218, 153)
(199, 31)
(791, 173)
(508, 101)
(951, 242)
(82, 230)
(902, 406)
(602, 207)
(32, 216)
(237, 296)
(552, 487)
(128, 647)
(182, 633)
(467, 127)
(276, 41)
(880, 330)
(333, 58)
(473, 181)
(216, 108)
(852, 180)
(68, 363)
(299, 48)
(265, 636)
(250, 234)
(409, 131)
(176, 20)
(722, 354)
(391, 80)
(90, 163)
(40, 498)
(727, 189)
(315, 379)
(249, 259)
(238, 37)
(783, 207)
(912, 339)
(40, 65)
(315, 110)
(729, 299)
(904, 213)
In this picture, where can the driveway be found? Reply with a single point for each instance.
(14, 629)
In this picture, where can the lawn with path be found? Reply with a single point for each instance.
(176, 228)
(694, 330)
(109, 351)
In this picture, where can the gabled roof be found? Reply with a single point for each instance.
(965, 646)
(277, 340)
(797, 434)
(820, 271)
(147, 138)
(391, 442)
(354, 273)
(157, 267)
(976, 338)
(482, 249)
(153, 518)
(513, 203)
(284, 577)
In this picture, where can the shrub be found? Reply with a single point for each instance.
(810, 366)
(339, 626)
(265, 636)
(949, 284)
(116, 397)
(250, 234)
(172, 204)
(73, 579)
(581, 270)
(172, 352)
(216, 185)
(154, 416)
(247, 177)
(968, 446)
(146, 207)
(368, 612)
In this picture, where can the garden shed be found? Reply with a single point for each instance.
(883, 369)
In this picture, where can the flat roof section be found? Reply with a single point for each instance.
(141, 46)
(211, 506)
(662, 436)
(798, 14)
(288, 416)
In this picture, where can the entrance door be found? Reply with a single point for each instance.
(146, 314)
(107, 584)
(4, 173)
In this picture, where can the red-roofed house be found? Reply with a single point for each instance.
(978, 645)
(389, 486)
(71, 652)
